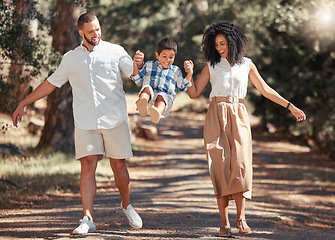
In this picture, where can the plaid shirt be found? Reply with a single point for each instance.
(162, 80)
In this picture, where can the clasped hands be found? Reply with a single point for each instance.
(139, 58)
(188, 66)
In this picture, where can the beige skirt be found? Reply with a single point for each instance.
(228, 144)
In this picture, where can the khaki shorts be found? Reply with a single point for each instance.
(154, 94)
(114, 142)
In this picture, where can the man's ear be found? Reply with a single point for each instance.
(81, 33)
(156, 54)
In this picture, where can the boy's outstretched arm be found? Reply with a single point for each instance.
(43, 90)
(138, 62)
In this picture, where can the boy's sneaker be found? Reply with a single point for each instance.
(134, 219)
(86, 226)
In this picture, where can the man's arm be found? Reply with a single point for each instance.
(44, 89)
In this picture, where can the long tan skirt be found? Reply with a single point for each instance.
(228, 144)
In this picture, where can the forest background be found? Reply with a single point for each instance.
(292, 42)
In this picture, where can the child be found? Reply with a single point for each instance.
(160, 81)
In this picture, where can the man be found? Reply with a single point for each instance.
(93, 69)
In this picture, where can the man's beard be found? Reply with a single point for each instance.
(90, 42)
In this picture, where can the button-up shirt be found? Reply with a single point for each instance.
(95, 77)
(229, 81)
(166, 80)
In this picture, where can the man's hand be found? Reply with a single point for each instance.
(43, 90)
(139, 58)
(17, 115)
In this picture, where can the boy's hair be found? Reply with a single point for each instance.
(166, 43)
(86, 18)
(237, 42)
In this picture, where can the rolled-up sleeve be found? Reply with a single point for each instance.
(138, 79)
(182, 83)
(126, 65)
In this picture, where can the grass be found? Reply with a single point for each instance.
(33, 177)
(39, 177)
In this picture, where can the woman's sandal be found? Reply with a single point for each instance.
(241, 228)
(225, 231)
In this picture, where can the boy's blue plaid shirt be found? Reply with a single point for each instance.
(162, 80)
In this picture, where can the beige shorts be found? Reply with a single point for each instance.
(167, 99)
(114, 142)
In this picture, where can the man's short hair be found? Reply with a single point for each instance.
(85, 18)
(166, 43)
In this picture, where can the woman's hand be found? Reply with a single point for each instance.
(297, 113)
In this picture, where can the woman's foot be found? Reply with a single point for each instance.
(242, 226)
(225, 231)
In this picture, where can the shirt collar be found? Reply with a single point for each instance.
(94, 48)
(225, 62)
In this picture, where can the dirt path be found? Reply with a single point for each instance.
(171, 190)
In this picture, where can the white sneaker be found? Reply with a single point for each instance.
(86, 226)
(134, 219)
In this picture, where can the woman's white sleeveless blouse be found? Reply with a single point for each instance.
(229, 81)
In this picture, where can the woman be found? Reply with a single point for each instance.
(227, 134)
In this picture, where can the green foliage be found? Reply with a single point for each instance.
(291, 46)
(27, 179)
(296, 56)
(290, 42)
(25, 53)
(37, 177)
(141, 24)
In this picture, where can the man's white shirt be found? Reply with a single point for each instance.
(95, 77)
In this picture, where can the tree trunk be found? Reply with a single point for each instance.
(22, 88)
(58, 131)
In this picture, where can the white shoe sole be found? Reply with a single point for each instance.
(130, 223)
(89, 231)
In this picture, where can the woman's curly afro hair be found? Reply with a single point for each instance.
(237, 42)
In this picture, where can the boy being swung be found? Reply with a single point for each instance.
(160, 81)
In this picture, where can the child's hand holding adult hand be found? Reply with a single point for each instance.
(139, 58)
(188, 66)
